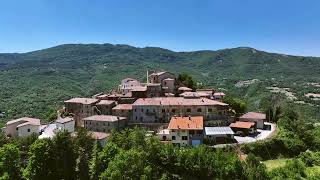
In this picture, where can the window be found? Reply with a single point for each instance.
(210, 110)
(135, 110)
(136, 117)
(17, 129)
(184, 137)
(104, 124)
(141, 110)
(173, 137)
(147, 110)
(199, 110)
(173, 110)
(28, 130)
(89, 122)
(86, 122)
(163, 110)
(188, 110)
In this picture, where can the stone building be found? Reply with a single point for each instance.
(22, 127)
(105, 107)
(161, 109)
(123, 110)
(104, 123)
(81, 108)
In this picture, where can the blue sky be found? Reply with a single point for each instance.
(284, 26)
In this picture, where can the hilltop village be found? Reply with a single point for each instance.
(165, 106)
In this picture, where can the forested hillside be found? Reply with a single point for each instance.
(36, 83)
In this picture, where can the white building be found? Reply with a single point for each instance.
(183, 131)
(66, 124)
(128, 84)
(258, 118)
(22, 127)
(218, 96)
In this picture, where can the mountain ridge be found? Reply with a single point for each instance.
(36, 82)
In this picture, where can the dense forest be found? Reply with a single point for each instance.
(36, 83)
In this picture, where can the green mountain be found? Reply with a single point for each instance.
(38, 82)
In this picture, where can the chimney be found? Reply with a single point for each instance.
(190, 118)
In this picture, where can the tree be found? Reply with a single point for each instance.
(294, 169)
(187, 80)
(254, 169)
(238, 105)
(10, 162)
(84, 145)
(130, 164)
(95, 165)
(129, 138)
(3, 139)
(273, 113)
(40, 164)
(65, 156)
(100, 160)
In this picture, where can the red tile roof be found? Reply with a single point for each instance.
(186, 123)
(82, 100)
(99, 135)
(184, 89)
(64, 120)
(219, 94)
(105, 102)
(177, 101)
(108, 118)
(25, 121)
(241, 124)
(194, 94)
(123, 106)
(253, 115)
(139, 88)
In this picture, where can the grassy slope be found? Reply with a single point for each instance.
(35, 82)
(275, 163)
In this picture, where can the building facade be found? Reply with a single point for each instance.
(186, 130)
(66, 124)
(22, 127)
(104, 123)
(161, 109)
(81, 108)
(123, 110)
(128, 84)
(258, 118)
(105, 107)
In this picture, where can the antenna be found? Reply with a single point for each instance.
(147, 76)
